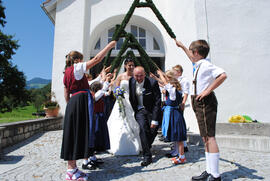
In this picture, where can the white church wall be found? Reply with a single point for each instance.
(239, 37)
(180, 15)
(67, 36)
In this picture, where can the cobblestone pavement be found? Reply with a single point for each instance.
(38, 159)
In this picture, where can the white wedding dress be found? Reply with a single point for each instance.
(124, 131)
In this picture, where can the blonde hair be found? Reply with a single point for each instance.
(178, 68)
(172, 80)
(170, 73)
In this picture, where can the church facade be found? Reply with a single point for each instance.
(237, 31)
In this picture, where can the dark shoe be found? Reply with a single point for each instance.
(161, 139)
(98, 161)
(146, 161)
(186, 149)
(201, 177)
(169, 155)
(89, 166)
(172, 146)
(166, 140)
(212, 178)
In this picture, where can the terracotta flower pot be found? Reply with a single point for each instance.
(51, 112)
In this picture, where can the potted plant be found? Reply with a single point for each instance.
(51, 107)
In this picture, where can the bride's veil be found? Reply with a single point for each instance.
(122, 68)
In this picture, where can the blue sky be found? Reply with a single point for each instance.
(35, 32)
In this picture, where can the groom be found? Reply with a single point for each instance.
(144, 96)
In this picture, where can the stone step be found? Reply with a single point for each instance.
(245, 142)
(242, 136)
(260, 129)
(241, 142)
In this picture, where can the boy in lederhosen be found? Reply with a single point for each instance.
(207, 77)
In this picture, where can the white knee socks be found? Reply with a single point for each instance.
(207, 162)
(212, 160)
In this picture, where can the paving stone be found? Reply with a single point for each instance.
(38, 158)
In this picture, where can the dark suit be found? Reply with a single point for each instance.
(151, 111)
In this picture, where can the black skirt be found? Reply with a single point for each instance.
(76, 129)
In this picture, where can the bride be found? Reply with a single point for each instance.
(124, 131)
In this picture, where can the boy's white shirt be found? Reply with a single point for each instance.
(184, 84)
(98, 78)
(206, 75)
(162, 95)
(102, 92)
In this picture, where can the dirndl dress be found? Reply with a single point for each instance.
(78, 129)
(102, 139)
(173, 123)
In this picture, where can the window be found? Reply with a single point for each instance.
(150, 44)
(140, 35)
(119, 42)
(97, 46)
(155, 44)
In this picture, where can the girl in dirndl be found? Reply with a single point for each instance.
(173, 123)
(78, 132)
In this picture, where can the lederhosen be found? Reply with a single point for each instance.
(205, 110)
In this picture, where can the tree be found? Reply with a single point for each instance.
(39, 96)
(12, 81)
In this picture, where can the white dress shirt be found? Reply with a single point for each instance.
(139, 94)
(206, 75)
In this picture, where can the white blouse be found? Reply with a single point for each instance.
(172, 95)
(79, 70)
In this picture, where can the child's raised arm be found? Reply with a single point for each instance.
(187, 51)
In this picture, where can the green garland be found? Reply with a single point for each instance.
(132, 56)
(161, 19)
(131, 42)
(121, 28)
(130, 53)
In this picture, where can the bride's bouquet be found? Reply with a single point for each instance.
(119, 95)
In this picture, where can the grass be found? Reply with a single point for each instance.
(19, 114)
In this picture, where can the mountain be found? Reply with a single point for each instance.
(37, 83)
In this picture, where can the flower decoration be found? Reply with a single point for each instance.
(119, 92)
(119, 95)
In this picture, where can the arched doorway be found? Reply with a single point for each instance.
(145, 32)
